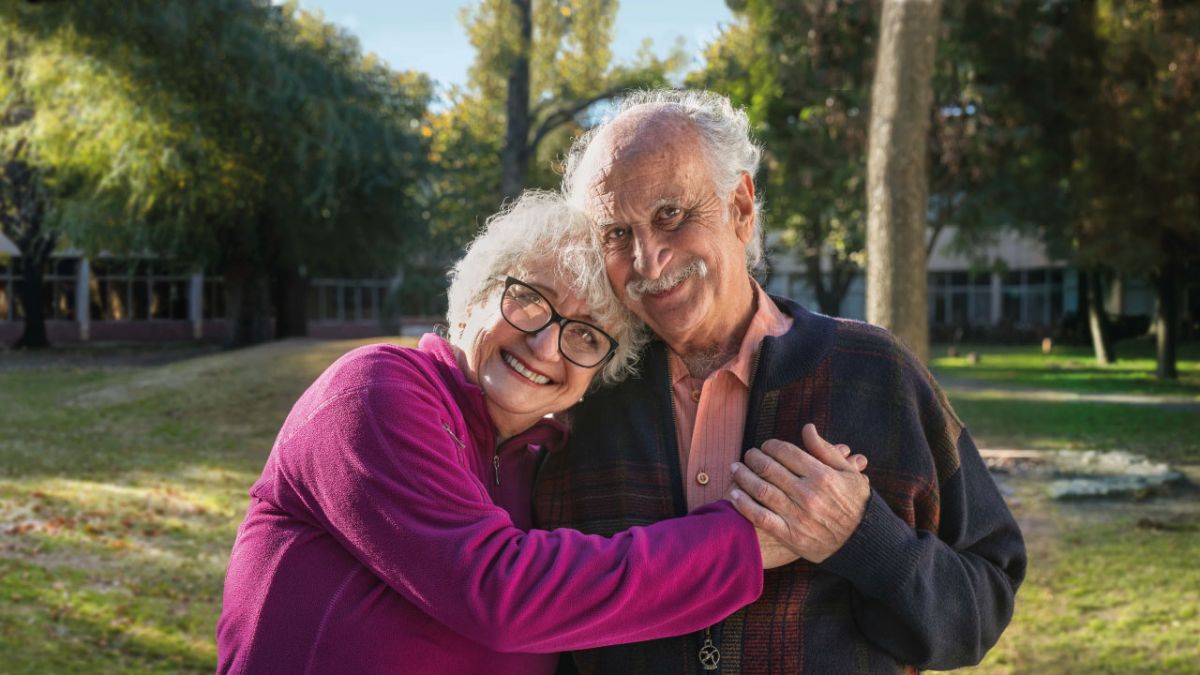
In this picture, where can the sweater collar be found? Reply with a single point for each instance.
(547, 432)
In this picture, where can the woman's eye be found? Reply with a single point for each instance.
(527, 298)
(584, 335)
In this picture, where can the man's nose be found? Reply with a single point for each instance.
(650, 254)
(544, 343)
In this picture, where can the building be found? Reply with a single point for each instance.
(1012, 288)
(149, 299)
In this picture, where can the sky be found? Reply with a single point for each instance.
(425, 35)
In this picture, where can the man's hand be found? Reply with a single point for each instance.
(811, 503)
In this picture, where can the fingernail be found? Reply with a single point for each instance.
(735, 494)
(733, 467)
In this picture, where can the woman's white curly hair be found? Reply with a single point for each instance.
(537, 231)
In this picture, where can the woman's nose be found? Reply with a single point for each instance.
(544, 343)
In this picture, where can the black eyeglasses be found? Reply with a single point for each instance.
(527, 310)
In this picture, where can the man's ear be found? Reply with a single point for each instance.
(742, 208)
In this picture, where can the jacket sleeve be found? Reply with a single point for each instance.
(937, 600)
(375, 468)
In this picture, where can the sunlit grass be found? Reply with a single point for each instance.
(1073, 369)
(1018, 397)
(1106, 596)
(120, 493)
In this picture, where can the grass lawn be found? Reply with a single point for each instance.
(1002, 410)
(121, 489)
(1074, 369)
(120, 494)
(1103, 594)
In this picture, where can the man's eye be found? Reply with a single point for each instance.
(670, 216)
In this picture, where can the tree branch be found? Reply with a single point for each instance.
(564, 115)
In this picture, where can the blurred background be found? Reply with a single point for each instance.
(202, 204)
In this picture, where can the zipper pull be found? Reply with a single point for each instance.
(457, 442)
(496, 467)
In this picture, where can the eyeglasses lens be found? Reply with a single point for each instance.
(524, 308)
(527, 310)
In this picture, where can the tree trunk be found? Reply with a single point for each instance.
(514, 158)
(830, 293)
(897, 177)
(33, 263)
(23, 219)
(290, 288)
(247, 299)
(1098, 324)
(1167, 286)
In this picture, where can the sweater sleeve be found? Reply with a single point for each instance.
(376, 468)
(937, 600)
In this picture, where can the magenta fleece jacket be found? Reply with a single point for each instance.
(378, 541)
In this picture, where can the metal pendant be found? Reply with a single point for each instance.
(710, 656)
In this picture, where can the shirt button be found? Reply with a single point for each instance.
(702, 478)
(696, 395)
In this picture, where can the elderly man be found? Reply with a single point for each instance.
(913, 562)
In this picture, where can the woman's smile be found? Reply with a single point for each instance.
(523, 369)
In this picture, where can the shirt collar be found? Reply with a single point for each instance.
(768, 320)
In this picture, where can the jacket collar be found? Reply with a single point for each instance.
(547, 433)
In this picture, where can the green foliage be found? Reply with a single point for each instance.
(571, 69)
(222, 131)
(803, 72)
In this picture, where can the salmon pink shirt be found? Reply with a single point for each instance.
(710, 413)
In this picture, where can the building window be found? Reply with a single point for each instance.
(345, 300)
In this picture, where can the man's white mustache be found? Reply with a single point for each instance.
(669, 280)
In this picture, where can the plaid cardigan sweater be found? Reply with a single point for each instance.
(926, 581)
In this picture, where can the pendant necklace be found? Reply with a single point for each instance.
(710, 656)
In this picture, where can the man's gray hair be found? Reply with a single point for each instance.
(540, 231)
(724, 132)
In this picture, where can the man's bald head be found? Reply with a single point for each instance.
(673, 122)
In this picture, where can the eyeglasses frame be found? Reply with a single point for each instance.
(555, 318)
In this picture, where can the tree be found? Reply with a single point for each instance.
(1140, 175)
(237, 136)
(540, 65)
(897, 181)
(1101, 98)
(23, 194)
(803, 72)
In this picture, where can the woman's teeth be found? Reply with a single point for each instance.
(529, 374)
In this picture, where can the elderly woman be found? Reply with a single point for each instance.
(389, 531)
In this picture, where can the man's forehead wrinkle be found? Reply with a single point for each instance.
(637, 161)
